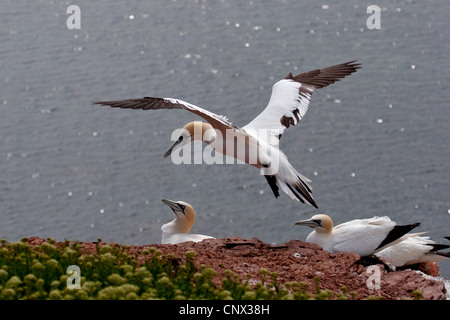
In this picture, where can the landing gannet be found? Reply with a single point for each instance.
(361, 236)
(287, 105)
(413, 250)
(177, 230)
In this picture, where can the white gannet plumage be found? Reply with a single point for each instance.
(361, 236)
(177, 230)
(413, 250)
(288, 103)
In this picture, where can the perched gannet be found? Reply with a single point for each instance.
(177, 230)
(260, 138)
(413, 250)
(362, 236)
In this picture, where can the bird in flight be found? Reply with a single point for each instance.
(257, 142)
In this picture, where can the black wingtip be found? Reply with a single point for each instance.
(397, 232)
(323, 77)
(102, 103)
(438, 246)
(444, 254)
(355, 64)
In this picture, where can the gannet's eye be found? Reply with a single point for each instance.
(180, 138)
(182, 206)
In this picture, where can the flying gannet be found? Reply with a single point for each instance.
(177, 230)
(413, 250)
(257, 142)
(364, 237)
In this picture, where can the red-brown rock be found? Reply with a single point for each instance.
(295, 261)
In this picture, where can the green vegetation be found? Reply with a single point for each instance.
(39, 272)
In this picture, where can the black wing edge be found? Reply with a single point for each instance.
(397, 232)
(321, 78)
(146, 103)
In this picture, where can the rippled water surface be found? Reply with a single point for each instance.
(376, 143)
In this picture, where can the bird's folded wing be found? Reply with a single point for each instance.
(362, 236)
(360, 239)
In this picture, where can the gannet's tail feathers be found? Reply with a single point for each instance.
(272, 181)
(298, 189)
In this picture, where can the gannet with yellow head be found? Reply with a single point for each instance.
(361, 236)
(287, 105)
(177, 230)
(192, 131)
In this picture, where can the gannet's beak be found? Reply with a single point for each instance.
(174, 205)
(173, 147)
(171, 203)
(313, 223)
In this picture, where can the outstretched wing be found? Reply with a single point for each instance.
(149, 103)
(291, 97)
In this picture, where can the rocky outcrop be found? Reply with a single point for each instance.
(297, 261)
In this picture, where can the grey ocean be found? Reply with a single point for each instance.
(376, 143)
